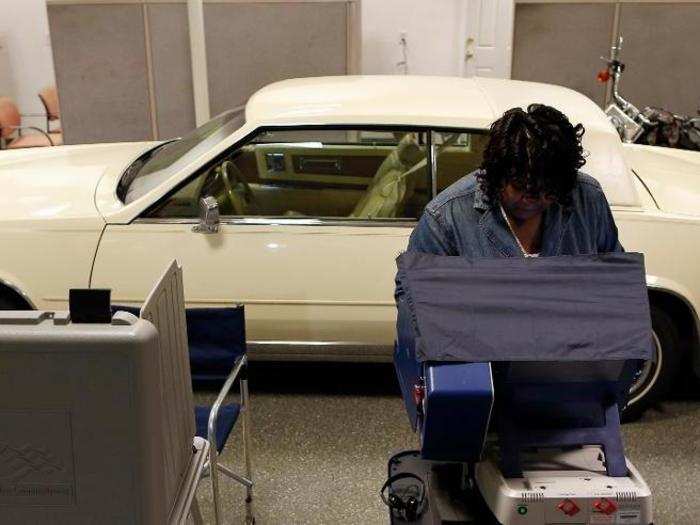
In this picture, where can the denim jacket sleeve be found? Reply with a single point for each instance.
(429, 236)
(607, 229)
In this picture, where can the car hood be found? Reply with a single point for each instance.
(671, 175)
(58, 182)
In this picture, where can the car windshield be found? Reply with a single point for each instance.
(163, 161)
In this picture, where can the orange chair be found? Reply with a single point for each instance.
(11, 136)
(49, 98)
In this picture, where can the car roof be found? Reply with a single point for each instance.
(419, 100)
(453, 102)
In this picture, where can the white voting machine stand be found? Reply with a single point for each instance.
(565, 486)
(96, 420)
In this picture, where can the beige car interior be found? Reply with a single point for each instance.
(355, 178)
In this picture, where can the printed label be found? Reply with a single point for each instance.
(36, 466)
(598, 518)
(629, 517)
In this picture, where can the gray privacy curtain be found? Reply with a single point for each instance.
(565, 308)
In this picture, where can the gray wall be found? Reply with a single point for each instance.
(124, 71)
(172, 69)
(100, 61)
(662, 53)
(561, 43)
(249, 46)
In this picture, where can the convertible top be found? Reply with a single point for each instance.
(565, 308)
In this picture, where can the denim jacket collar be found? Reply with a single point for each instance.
(480, 199)
(555, 222)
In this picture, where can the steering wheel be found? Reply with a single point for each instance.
(232, 178)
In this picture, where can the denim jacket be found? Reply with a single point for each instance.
(459, 221)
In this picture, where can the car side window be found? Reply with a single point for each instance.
(353, 174)
(457, 155)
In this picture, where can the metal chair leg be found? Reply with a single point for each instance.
(245, 402)
(236, 477)
(214, 466)
(215, 484)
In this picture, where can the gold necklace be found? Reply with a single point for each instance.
(512, 231)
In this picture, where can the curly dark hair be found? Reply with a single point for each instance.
(538, 151)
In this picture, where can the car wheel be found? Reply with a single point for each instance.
(655, 378)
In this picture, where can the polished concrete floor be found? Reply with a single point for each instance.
(322, 434)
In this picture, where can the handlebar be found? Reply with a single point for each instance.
(616, 67)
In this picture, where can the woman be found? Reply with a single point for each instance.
(528, 198)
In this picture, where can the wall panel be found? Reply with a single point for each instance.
(172, 69)
(662, 52)
(562, 44)
(251, 45)
(101, 75)
(125, 67)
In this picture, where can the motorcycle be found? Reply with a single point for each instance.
(651, 125)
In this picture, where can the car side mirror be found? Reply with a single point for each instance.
(208, 216)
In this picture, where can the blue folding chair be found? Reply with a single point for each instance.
(217, 345)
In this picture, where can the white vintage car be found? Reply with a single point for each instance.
(317, 186)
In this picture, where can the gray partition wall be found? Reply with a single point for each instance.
(101, 73)
(124, 68)
(662, 53)
(251, 45)
(172, 69)
(561, 42)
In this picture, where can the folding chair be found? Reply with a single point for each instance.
(11, 128)
(217, 344)
(49, 98)
(217, 351)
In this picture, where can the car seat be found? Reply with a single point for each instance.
(394, 182)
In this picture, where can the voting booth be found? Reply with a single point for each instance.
(96, 418)
(506, 365)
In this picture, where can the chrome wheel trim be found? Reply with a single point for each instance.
(649, 374)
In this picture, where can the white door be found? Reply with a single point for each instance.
(488, 38)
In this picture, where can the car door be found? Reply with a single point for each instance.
(311, 221)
